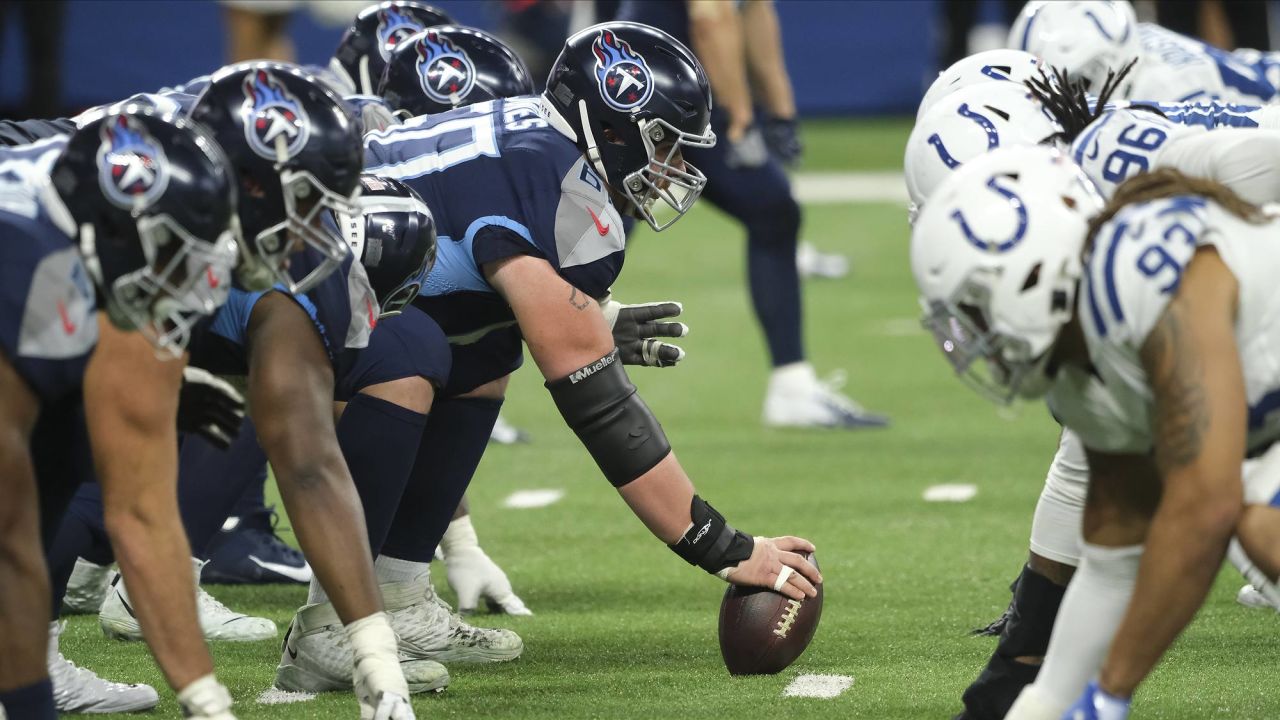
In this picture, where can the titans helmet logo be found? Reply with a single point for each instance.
(273, 115)
(444, 71)
(623, 75)
(132, 168)
(394, 26)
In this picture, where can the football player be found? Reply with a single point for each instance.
(297, 153)
(1088, 39)
(114, 237)
(526, 259)
(1168, 262)
(747, 181)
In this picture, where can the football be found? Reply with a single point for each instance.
(762, 631)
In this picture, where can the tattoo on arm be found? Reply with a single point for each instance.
(579, 301)
(1175, 371)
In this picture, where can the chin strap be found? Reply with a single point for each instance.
(593, 148)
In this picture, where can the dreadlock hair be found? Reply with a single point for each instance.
(1065, 98)
(1166, 183)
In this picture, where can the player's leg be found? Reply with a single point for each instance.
(1037, 593)
(1123, 494)
(761, 199)
(1256, 549)
(25, 690)
(452, 445)
(388, 393)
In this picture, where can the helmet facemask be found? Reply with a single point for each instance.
(667, 177)
(184, 279)
(305, 201)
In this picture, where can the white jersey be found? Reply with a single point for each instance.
(1126, 142)
(1130, 277)
(1176, 67)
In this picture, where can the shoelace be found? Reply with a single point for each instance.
(211, 604)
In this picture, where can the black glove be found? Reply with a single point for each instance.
(209, 407)
(749, 152)
(635, 328)
(783, 137)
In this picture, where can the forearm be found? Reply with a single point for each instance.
(716, 33)
(765, 60)
(151, 548)
(1185, 548)
(661, 498)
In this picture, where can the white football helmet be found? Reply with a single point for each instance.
(997, 257)
(968, 123)
(987, 66)
(1084, 38)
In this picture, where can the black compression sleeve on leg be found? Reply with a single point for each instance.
(600, 404)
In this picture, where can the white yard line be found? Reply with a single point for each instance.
(524, 499)
(954, 493)
(846, 187)
(818, 686)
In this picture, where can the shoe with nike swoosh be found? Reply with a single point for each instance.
(317, 657)
(248, 551)
(218, 622)
(428, 628)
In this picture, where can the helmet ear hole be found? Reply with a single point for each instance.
(1033, 278)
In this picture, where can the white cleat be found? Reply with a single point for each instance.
(217, 621)
(86, 589)
(813, 263)
(80, 690)
(504, 433)
(428, 628)
(1251, 598)
(796, 398)
(317, 657)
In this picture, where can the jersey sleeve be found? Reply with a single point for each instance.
(1247, 161)
(1136, 266)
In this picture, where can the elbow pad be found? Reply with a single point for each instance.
(600, 404)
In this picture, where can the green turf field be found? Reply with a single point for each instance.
(624, 629)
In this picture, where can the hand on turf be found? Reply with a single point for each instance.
(1097, 704)
(391, 707)
(210, 407)
(636, 329)
(474, 575)
(769, 557)
(205, 699)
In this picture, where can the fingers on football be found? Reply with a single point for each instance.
(803, 570)
(794, 544)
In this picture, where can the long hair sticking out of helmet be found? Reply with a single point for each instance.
(1166, 183)
(1065, 97)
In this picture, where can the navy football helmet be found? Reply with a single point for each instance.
(394, 235)
(445, 67)
(632, 96)
(296, 152)
(365, 47)
(152, 202)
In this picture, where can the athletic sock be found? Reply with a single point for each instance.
(1091, 611)
(1027, 629)
(30, 702)
(455, 439)
(379, 441)
(390, 569)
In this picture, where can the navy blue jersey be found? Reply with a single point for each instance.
(500, 182)
(48, 323)
(342, 307)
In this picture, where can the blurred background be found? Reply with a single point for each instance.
(846, 57)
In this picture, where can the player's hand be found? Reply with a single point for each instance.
(390, 707)
(782, 135)
(474, 575)
(780, 564)
(210, 407)
(636, 329)
(1095, 704)
(206, 699)
(749, 151)
(373, 112)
